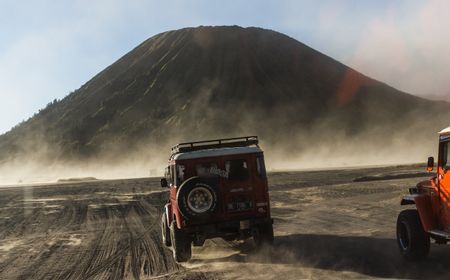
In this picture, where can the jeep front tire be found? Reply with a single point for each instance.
(165, 231)
(412, 240)
(181, 243)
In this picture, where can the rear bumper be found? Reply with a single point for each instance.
(237, 228)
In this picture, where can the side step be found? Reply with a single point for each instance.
(440, 234)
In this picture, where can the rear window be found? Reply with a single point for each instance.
(237, 169)
(180, 173)
(206, 169)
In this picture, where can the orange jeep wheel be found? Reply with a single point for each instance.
(412, 240)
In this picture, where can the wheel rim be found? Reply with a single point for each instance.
(403, 237)
(200, 200)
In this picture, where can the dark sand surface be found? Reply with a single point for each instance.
(327, 226)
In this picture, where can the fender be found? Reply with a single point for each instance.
(423, 205)
(172, 215)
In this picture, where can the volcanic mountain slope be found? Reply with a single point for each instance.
(219, 81)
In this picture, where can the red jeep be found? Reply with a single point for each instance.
(431, 218)
(218, 188)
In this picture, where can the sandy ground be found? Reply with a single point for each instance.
(327, 227)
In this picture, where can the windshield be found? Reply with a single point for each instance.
(445, 155)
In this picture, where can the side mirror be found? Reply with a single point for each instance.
(164, 183)
(430, 164)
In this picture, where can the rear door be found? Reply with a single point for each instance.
(238, 186)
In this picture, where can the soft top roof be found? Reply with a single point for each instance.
(216, 152)
(445, 131)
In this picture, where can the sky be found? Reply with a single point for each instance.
(50, 48)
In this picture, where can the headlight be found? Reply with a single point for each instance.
(200, 200)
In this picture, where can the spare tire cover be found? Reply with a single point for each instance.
(197, 198)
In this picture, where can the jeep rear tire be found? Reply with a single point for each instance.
(181, 243)
(412, 240)
(165, 231)
(197, 198)
(263, 235)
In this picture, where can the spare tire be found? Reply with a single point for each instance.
(197, 198)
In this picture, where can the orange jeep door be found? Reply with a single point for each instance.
(444, 183)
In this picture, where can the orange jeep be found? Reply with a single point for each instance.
(218, 188)
(431, 218)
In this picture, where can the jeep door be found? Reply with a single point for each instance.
(444, 182)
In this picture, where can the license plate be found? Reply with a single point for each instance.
(244, 224)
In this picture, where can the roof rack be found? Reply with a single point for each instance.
(217, 143)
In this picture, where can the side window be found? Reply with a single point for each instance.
(237, 170)
(167, 175)
(180, 173)
(173, 178)
(446, 155)
(261, 167)
(206, 169)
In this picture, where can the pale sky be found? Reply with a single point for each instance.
(50, 48)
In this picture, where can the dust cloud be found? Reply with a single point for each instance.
(317, 148)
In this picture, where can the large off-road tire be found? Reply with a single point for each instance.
(197, 198)
(263, 235)
(165, 231)
(181, 243)
(412, 240)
